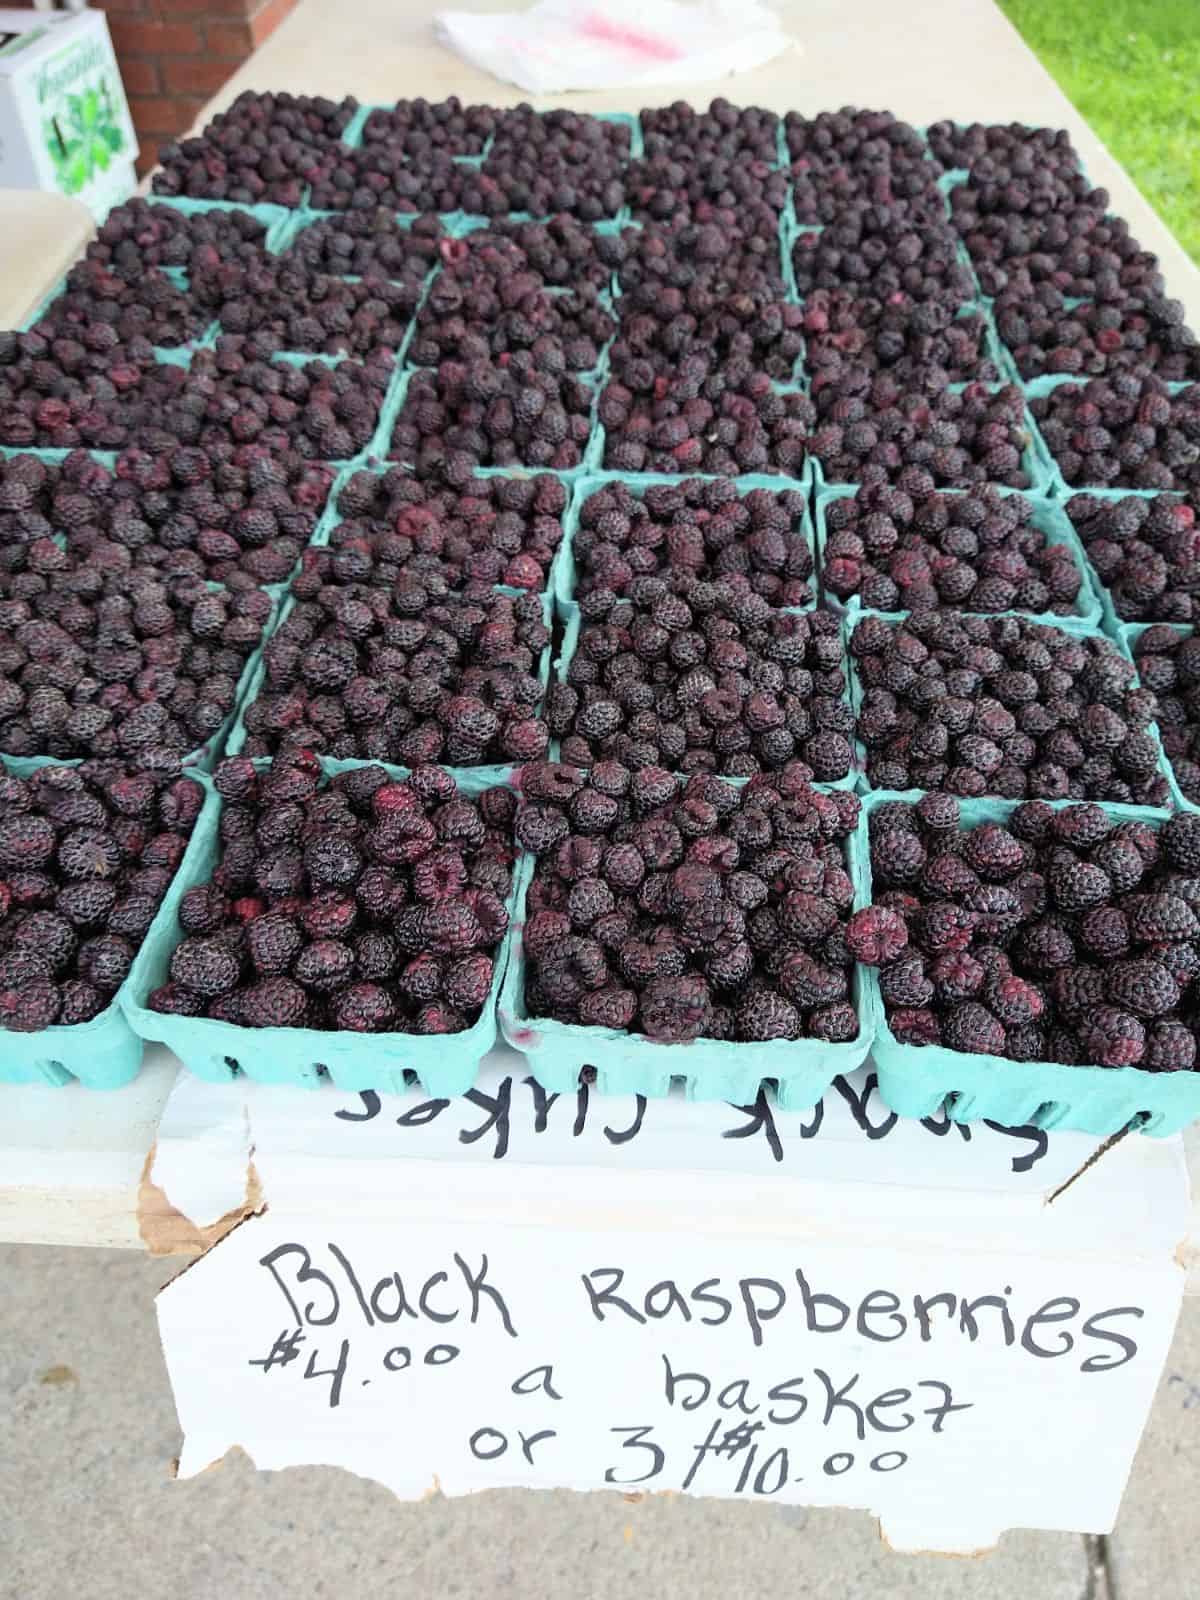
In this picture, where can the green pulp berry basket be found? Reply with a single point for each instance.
(1077, 629)
(712, 1069)
(1127, 636)
(444, 1064)
(573, 622)
(564, 572)
(493, 773)
(916, 1080)
(1048, 517)
(104, 1053)
(1058, 487)
(1112, 621)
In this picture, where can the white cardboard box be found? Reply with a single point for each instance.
(959, 1330)
(64, 120)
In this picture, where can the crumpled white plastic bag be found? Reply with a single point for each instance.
(608, 44)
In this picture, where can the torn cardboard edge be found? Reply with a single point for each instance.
(1101, 1150)
(166, 1231)
(637, 1498)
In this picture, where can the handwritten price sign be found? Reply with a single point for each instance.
(909, 1384)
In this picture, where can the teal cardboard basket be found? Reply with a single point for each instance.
(1074, 626)
(564, 574)
(573, 621)
(444, 1064)
(916, 1081)
(1048, 517)
(1128, 635)
(104, 1053)
(205, 756)
(712, 1069)
(1059, 488)
(1036, 460)
(1111, 620)
(497, 772)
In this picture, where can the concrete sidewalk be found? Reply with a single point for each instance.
(88, 1431)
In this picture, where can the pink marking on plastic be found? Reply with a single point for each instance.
(596, 26)
(522, 1038)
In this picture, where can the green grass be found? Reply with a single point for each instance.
(1132, 67)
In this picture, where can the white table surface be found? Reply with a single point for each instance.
(71, 1158)
(71, 1161)
(40, 235)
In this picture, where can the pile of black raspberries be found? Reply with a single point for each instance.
(686, 910)
(58, 394)
(266, 149)
(698, 529)
(183, 513)
(1146, 552)
(1056, 935)
(1003, 706)
(1168, 663)
(354, 673)
(904, 547)
(847, 160)
(701, 417)
(1145, 332)
(485, 319)
(712, 681)
(871, 429)
(102, 309)
(421, 127)
(284, 305)
(399, 532)
(126, 662)
(236, 394)
(681, 269)
(540, 164)
(86, 855)
(521, 413)
(369, 244)
(366, 904)
(882, 254)
(1128, 431)
(923, 346)
(138, 236)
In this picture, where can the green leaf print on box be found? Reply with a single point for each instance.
(83, 136)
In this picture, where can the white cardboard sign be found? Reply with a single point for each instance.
(953, 1389)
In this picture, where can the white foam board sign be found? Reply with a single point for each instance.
(822, 1308)
(64, 119)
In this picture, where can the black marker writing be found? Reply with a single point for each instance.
(541, 1104)
(634, 1128)
(371, 1105)
(860, 1106)
(421, 1116)
(497, 1107)
(761, 1119)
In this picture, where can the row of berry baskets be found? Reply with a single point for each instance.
(1038, 465)
(562, 612)
(107, 1050)
(914, 1079)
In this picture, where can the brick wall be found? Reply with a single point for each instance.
(176, 54)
